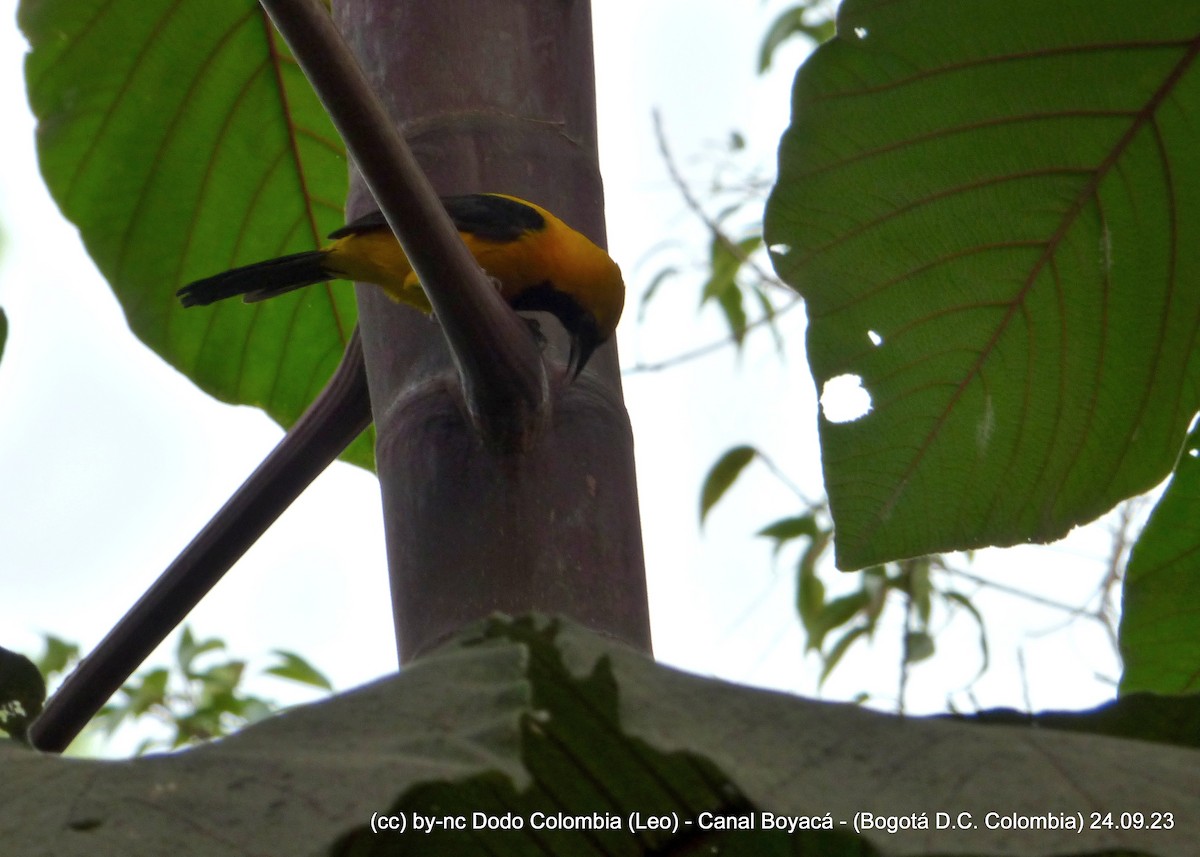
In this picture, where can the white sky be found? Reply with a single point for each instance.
(110, 460)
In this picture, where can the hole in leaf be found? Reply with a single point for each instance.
(780, 249)
(875, 338)
(845, 399)
(861, 32)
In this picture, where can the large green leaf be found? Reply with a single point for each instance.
(991, 210)
(182, 139)
(524, 720)
(1160, 611)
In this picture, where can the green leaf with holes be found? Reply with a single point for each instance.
(182, 139)
(990, 209)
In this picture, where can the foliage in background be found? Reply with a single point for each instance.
(200, 696)
(737, 274)
(914, 586)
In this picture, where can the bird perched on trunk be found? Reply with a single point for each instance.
(538, 262)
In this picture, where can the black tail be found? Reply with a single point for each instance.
(259, 281)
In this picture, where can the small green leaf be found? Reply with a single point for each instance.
(919, 587)
(875, 585)
(918, 646)
(189, 649)
(732, 304)
(146, 691)
(723, 266)
(295, 668)
(811, 555)
(725, 261)
(789, 23)
(220, 681)
(657, 281)
(837, 612)
(57, 656)
(722, 475)
(810, 604)
(3, 331)
(965, 602)
(786, 529)
(255, 710)
(202, 725)
(838, 651)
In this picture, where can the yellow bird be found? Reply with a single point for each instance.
(539, 263)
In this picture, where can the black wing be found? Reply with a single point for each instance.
(494, 218)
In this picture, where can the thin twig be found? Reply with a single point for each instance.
(719, 235)
(694, 204)
(703, 350)
(1024, 680)
(1017, 592)
(788, 483)
(905, 640)
(1117, 558)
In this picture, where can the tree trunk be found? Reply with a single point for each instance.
(495, 96)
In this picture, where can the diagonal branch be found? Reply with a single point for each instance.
(336, 417)
(503, 377)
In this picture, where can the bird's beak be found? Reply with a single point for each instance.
(583, 344)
